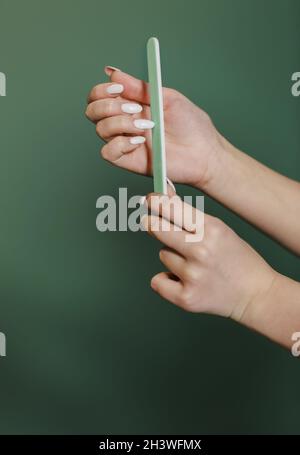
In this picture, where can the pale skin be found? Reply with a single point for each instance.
(222, 274)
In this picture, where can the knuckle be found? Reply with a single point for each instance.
(190, 273)
(109, 107)
(104, 152)
(202, 253)
(116, 145)
(162, 254)
(196, 251)
(91, 95)
(119, 142)
(95, 92)
(185, 299)
(123, 122)
(216, 228)
(165, 256)
(99, 129)
(88, 112)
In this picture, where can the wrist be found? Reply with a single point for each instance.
(256, 312)
(221, 161)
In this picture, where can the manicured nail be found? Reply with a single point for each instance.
(171, 184)
(115, 88)
(137, 140)
(143, 124)
(131, 108)
(110, 69)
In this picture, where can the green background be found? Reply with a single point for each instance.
(90, 347)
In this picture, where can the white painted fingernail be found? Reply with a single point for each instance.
(171, 184)
(110, 69)
(143, 124)
(115, 88)
(137, 140)
(131, 108)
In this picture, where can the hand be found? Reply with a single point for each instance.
(221, 274)
(193, 145)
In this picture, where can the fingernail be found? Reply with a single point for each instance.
(137, 140)
(131, 108)
(110, 69)
(171, 184)
(143, 124)
(115, 88)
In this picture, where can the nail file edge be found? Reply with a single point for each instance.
(156, 107)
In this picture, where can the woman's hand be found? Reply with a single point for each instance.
(219, 274)
(193, 145)
(196, 155)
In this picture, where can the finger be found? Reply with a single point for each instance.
(119, 146)
(167, 287)
(134, 89)
(105, 90)
(173, 261)
(137, 89)
(100, 109)
(166, 232)
(122, 124)
(172, 208)
(135, 160)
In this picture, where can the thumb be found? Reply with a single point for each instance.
(134, 89)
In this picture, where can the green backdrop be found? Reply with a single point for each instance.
(90, 347)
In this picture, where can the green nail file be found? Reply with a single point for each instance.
(157, 115)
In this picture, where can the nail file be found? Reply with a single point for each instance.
(157, 115)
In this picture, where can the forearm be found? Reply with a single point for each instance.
(263, 197)
(277, 313)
